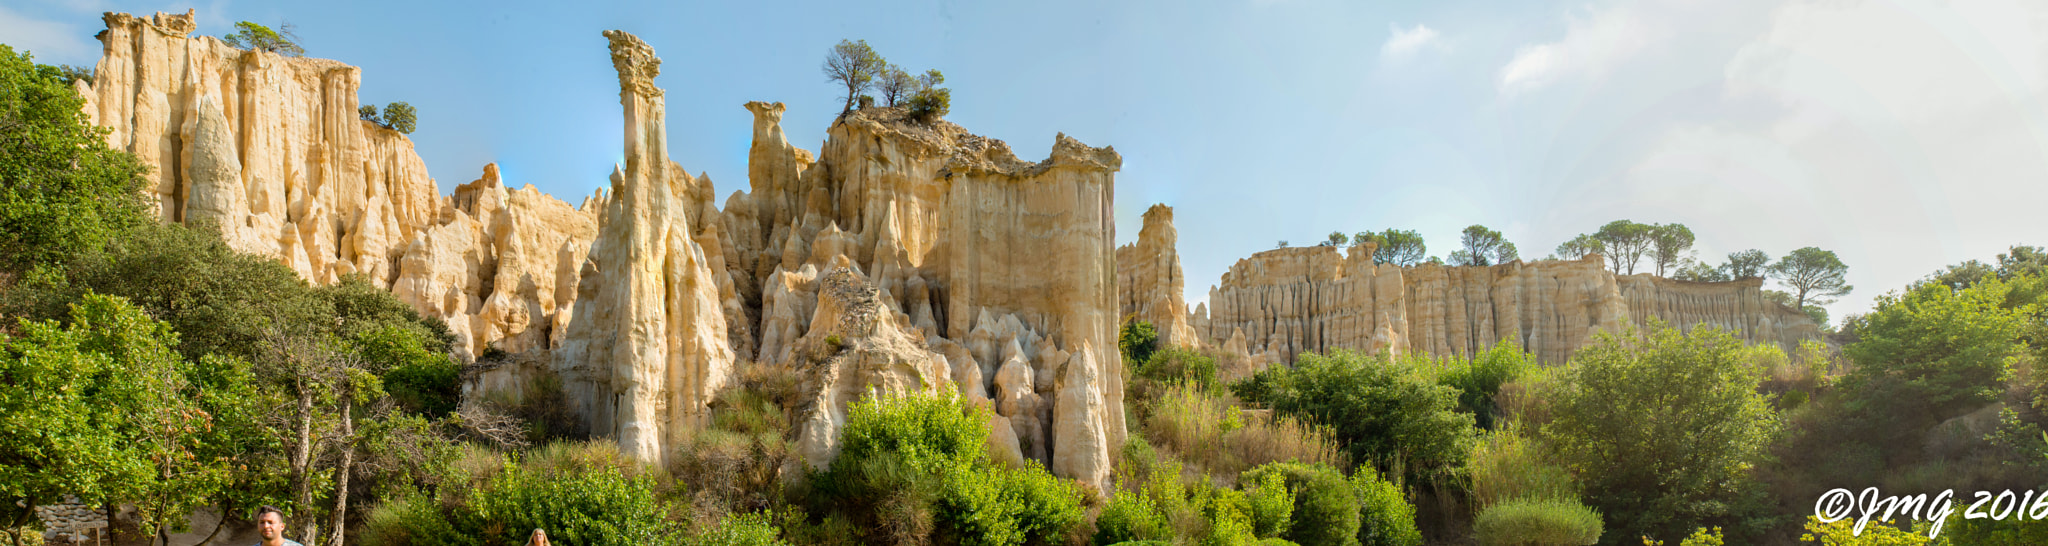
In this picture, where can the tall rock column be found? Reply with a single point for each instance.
(1149, 280)
(646, 347)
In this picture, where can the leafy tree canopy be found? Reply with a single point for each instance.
(1382, 411)
(62, 190)
(257, 37)
(1661, 430)
(1813, 274)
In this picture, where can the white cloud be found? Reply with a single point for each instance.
(52, 42)
(1594, 42)
(1903, 135)
(1402, 44)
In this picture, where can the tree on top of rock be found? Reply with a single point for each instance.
(896, 85)
(261, 38)
(855, 65)
(1484, 247)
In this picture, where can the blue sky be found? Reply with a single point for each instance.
(1902, 134)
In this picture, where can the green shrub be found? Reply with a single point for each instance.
(1382, 411)
(937, 431)
(1663, 429)
(1507, 465)
(1385, 518)
(1326, 508)
(1137, 340)
(990, 505)
(413, 519)
(1479, 378)
(751, 529)
(914, 467)
(1272, 506)
(580, 494)
(586, 507)
(1529, 522)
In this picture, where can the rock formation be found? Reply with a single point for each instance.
(646, 345)
(1149, 281)
(1280, 303)
(270, 151)
(1003, 268)
(933, 256)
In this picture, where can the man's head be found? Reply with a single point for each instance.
(269, 522)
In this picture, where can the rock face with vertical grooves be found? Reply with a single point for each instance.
(270, 151)
(647, 298)
(646, 347)
(1280, 303)
(1150, 283)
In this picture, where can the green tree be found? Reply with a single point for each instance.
(1747, 264)
(1281, 244)
(368, 112)
(855, 65)
(1580, 247)
(1934, 352)
(1385, 412)
(1400, 247)
(79, 406)
(62, 190)
(1483, 247)
(896, 85)
(1137, 341)
(401, 117)
(1701, 272)
(1668, 245)
(1337, 238)
(1813, 274)
(257, 37)
(1661, 430)
(1626, 243)
(930, 101)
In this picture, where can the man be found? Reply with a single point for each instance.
(270, 526)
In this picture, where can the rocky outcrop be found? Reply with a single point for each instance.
(646, 346)
(856, 346)
(1149, 280)
(269, 150)
(989, 276)
(955, 233)
(1280, 303)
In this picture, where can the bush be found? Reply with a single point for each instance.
(1326, 507)
(1533, 522)
(1137, 340)
(1162, 507)
(991, 505)
(914, 467)
(579, 493)
(1664, 430)
(1479, 378)
(1213, 434)
(751, 529)
(1508, 466)
(1272, 507)
(1382, 411)
(931, 104)
(1384, 516)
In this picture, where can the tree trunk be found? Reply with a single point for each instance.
(302, 464)
(348, 455)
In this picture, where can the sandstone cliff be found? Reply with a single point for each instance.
(1004, 268)
(270, 151)
(1280, 303)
